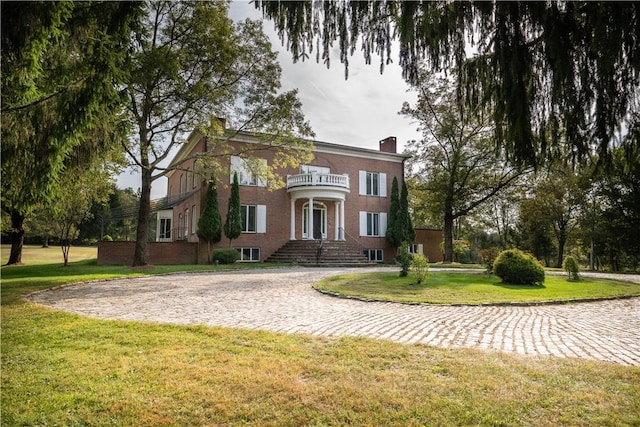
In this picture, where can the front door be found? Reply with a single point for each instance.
(317, 224)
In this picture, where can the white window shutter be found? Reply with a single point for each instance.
(383, 185)
(420, 248)
(383, 223)
(363, 223)
(362, 182)
(261, 219)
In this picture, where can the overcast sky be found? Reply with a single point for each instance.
(357, 112)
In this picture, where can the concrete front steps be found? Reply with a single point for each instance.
(312, 252)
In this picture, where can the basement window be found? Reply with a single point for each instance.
(249, 254)
(374, 255)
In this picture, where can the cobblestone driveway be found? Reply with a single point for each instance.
(282, 300)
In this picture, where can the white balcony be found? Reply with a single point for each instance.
(318, 180)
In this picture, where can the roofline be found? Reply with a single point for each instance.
(319, 146)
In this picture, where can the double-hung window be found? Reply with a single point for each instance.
(248, 213)
(186, 222)
(373, 224)
(254, 218)
(373, 184)
(194, 220)
(248, 171)
(165, 228)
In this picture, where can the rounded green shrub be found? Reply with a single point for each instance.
(420, 267)
(517, 268)
(570, 265)
(225, 256)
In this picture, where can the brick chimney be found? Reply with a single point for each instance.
(388, 145)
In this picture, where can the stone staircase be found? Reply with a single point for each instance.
(311, 252)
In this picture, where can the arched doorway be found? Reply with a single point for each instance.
(319, 221)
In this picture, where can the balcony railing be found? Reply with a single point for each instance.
(318, 179)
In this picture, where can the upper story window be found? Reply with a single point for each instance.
(314, 169)
(373, 184)
(248, 171)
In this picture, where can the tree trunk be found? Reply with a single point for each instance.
(140, 255)
(448, 237)
(562, 240)
(17, 237)
(66, 245)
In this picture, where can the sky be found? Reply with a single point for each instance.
(357, 112)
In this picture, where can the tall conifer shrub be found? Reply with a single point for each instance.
(210, 222)
(233, 224)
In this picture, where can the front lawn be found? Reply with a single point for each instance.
(65, 369)
(469, 288)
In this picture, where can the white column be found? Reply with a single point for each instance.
(342, 230)
(310, 219)
(336, 222)
(293, 219)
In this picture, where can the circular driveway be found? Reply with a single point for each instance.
(282, 300)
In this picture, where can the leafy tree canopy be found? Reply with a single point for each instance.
(63, 64)
(192, 64)
(560, 77)
(455, 166)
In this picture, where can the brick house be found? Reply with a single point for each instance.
(337, 203)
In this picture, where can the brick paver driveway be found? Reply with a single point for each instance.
(282, 300)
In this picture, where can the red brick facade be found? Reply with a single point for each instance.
(186, 192)
(121, 253)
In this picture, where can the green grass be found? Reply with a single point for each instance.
(469, 288)
(64, 369)
(32, 254)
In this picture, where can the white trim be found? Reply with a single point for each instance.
(382, 224)
(251, 250)
(382, 182)
(324, 224)
(261, 219)
(362, 183)
(363, 223)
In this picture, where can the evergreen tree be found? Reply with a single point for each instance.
(408, 232)
(63, 64)
(394, 222)
(233, 224)
(560, 76)
(210, 222)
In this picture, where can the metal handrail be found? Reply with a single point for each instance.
(347, 236)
